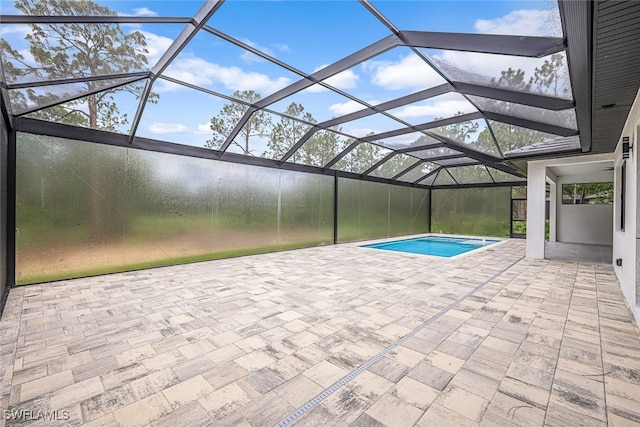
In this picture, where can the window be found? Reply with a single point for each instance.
(623, 179)
(593, 193)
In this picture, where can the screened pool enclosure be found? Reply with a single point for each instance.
(138, 137)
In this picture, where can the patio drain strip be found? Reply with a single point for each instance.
(344, 380)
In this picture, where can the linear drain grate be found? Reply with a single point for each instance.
(360, 369)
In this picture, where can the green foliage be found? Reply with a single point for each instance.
(288, 131)
(461, 132)
(361, 158)
(229, 116)
(475, 211)
(322, 147)
(76, 50)
(594, 193)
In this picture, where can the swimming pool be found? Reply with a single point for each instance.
(433, 245)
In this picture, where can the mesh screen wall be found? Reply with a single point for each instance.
(472, 211)
(4, 145)
(369, 210)
(86, 209)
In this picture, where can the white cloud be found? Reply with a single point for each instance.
(485, 64)
(156, 46)
(444, 106)
(360, 132)
(350, 106)
(346, 79)
(408, 72)
(197, 71)
(282, 47)
(250, 57)
(144, 11)
(204, 128)
(531, 22)
(27, 57)
(19, 29)
(163, 128)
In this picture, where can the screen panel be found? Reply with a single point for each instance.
(471, 211)
(85, 209)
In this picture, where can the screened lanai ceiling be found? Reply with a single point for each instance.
(419, 92)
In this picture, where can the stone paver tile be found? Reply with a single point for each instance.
(196, 349)
(389, 369)
(135, 355)
(445, 361)
(43, 385)
(463, 402)
(395, 412)
(123, 375)
(266, 410)
(29, 374)
(224, 354)
(249, 344)
(224, 401)
(615, 420)
(406, 356)
(255, 360)
(365, 420)
(186, 391)
(153, 383)
(224, 374)
(225, 338)
(486, 367)
(475, 383)
(579, 401)
(623, 407)
(298, 390)
(506, 408)
(319, 416)
(143, 412)
(346, 404)
(95, 368)
(290, 315)
(103, 404)
(263, 380)
(531, 375)
(104, 421)
(289, 366)
(325, 373)
(561, 415)
(163, 360)
(370, 385)
(623, 389)
(431, 375)
(414, 392)
(454, 349)
(191, 415)
(296, 326)
(440, 416)
(192, 367)
(69, 362)
(75, 393)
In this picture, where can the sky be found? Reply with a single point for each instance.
(310, 35)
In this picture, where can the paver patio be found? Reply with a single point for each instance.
(491, 338)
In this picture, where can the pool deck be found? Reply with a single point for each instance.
(371, 337)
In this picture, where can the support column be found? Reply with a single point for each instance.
(535, 210)
(552, 179)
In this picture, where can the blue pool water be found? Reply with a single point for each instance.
(433, 245)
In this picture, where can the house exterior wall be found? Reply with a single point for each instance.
(626, 243)
(537, 174)
(589, 224)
